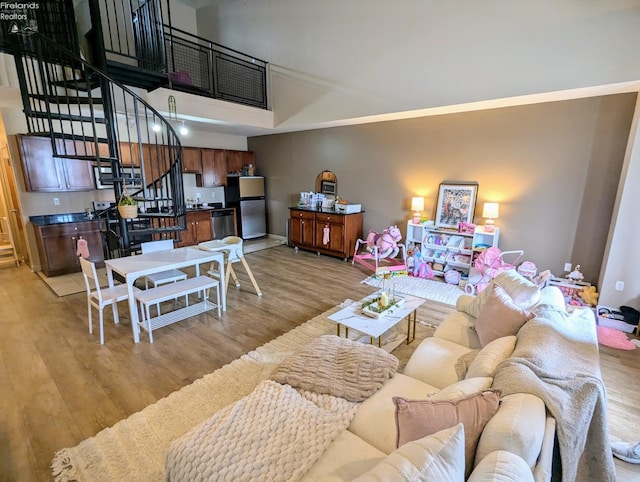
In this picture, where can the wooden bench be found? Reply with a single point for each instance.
(155, 296)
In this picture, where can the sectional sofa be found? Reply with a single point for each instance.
(446, 417)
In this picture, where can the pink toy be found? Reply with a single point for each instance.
(385, 247)
(490, 263)
(425, 271)
(386, 242)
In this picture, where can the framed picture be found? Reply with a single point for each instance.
(456, 204)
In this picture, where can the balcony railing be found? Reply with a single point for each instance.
(135, 37)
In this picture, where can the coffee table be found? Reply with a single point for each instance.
(352, 317)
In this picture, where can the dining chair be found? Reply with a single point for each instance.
(233, 249)
(101, 297)
(169, 276)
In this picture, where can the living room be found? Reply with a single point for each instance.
(548, 130)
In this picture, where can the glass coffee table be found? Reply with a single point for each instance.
(352, 317)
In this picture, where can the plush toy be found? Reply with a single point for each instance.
(589, 295)
(575, 275)
(425, 271)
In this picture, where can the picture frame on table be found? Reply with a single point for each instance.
(456, 204)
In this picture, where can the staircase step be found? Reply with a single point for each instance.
(169, 229)
(67, 117)
(67, 99)
(70, 137)
(81, 85)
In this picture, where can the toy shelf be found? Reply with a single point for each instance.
(451, 249)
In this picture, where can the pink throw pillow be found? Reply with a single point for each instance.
(418, 418)
(499, 316)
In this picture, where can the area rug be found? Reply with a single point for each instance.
(70, 284)
(432, 290)
(135, 448)
(614, 338)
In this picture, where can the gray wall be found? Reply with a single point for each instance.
(553, 167)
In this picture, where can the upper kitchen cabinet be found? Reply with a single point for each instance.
(214, 167)
(45, 173)
(192, 160)
(238, 160)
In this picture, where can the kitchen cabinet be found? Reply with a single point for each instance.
(45, 173)
(192, 160)
(326, 233)
(214, 168)
(58, 245)
(237, 160)
(199, 228)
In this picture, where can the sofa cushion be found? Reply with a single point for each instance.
(517, 426)
(337, 366)
(488, 359)
(418, 418)
(375, 421)
(434, 362)
(524, 293)
(439, 456)
(463, 388)
(346, 458)
(457, 327)
(499, 316)
(501, 466)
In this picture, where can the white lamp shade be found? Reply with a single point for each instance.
(491, 210)
(417, 204)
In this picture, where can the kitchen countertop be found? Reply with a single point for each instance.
(46, 219)
(327, 211)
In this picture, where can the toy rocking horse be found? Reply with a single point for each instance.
(384, 247)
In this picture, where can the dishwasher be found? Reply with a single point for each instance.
(223, 223)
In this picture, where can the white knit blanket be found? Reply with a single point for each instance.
(259, 438)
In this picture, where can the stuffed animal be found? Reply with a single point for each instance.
(589, 295)
(425, 271)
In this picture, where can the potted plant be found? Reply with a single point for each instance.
(127, 207)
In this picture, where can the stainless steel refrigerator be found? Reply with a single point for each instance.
(246, 194)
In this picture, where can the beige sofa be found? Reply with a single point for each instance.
(516, 444)
(386, 439)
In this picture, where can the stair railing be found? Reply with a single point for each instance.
(91, 117)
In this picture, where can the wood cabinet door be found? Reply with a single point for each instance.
(234, 162)
(335, 234)
(248, 157)
(301, 231)
(214, 167)
(41, 171)
(78, 174)
(203, 227)
(192, 160)
(129, 153)
(60, 252)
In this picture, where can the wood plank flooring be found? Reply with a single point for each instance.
(58, 385)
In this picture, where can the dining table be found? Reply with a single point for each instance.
(134, 267)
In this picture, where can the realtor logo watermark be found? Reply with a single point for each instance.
(19, 16)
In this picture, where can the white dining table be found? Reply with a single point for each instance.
(133, 267)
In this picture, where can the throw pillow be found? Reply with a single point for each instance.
(499, 316)
(418, 418)
(494, 353)
(339, 367)
(435, 457)
(463, 363)
(463, 388)
(501, 466)
(523, 292)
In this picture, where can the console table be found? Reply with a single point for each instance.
(325, 232)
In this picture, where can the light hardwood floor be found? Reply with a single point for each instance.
(58, 385)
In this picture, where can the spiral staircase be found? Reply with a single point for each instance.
(88, 115)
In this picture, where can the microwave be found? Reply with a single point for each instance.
(104, 178)
(328, 187)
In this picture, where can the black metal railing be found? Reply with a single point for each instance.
(90, 117)
(135, 35)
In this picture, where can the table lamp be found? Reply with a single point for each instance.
(490, 211)
(417, 206)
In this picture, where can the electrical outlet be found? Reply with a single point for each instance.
(56, 201)
(619, 285)
(567, 267)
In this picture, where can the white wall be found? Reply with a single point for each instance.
(336, 59)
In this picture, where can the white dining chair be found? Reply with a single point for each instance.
(169, 276)
(101, 297)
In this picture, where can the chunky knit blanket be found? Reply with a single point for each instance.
(556, 358)
(276, 433)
